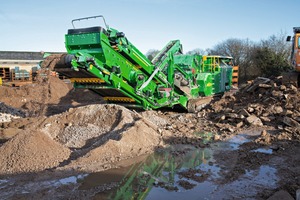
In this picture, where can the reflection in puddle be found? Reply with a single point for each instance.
(205, 136)
(169, 174)
(180, 172)
(183, 172)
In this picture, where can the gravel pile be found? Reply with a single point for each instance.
(87, 138)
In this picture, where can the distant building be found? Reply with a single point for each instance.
(21, 59)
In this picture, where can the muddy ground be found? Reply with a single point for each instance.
(50, 132)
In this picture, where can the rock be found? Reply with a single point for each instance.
(265, 119)
(250, 109)
(264, 85)
(217, 137)
(264, 133)
(265, 137)
(244, 113)
(278, 109)
(219, 125)
(223, 117)
(290, 122)
(293, 89)
(289, 129)
(232, 115)
(256, 83)
(230, 130)
(227, 110)
(289, 106)
(190, 126)
(282, 88)
(265, 114)
(276, 93)
(190, 116)
(241, 117)
(288, 112)
(254, 120)
(239, 125)
(282, 194)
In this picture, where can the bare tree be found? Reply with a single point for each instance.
(265, 58)
(197, 51)
(277, 43)
(151, 53)
(272, 55)
(240, 51)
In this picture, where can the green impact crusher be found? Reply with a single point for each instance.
(104, 60)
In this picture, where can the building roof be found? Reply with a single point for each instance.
(22, 55)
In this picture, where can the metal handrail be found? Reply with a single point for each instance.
(92, 17)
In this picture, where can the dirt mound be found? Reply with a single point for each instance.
(137, 139)
(49, 95)
(154, 117)
(50, 61)
(86, 138)
(34, 97)
(30, 152)
(102, 133)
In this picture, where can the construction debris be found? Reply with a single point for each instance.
(51, 128)
(255, 105)
(8, 113)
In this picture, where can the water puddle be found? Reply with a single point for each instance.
(170, 174)
(249, 184)
(263, 150)
(70, 180)
(179, 172)
(237, 140)
(3, 183)
(28, 188)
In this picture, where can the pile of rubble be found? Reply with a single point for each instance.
(264, 103)
(8, 113)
